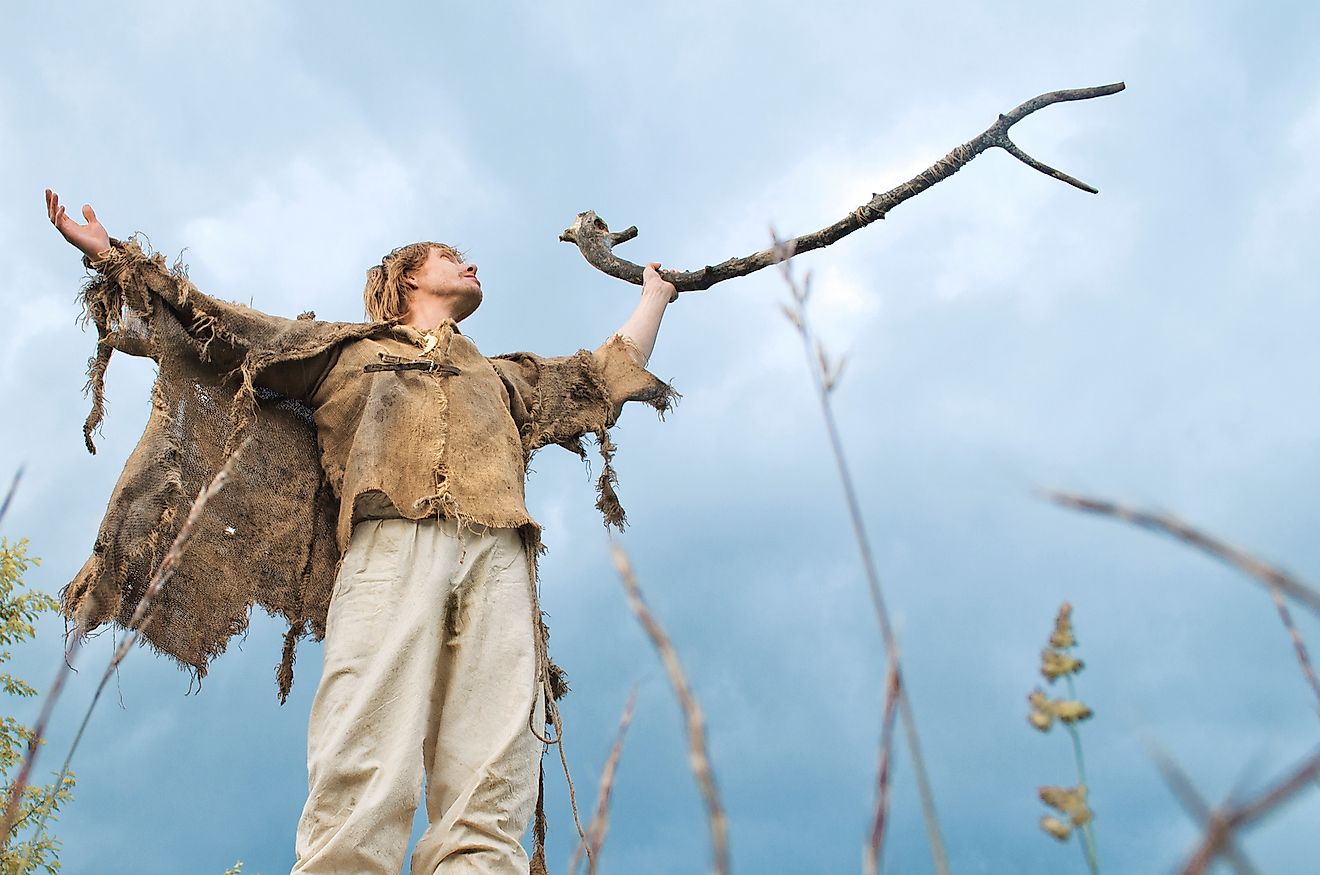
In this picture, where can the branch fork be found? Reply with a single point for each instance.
(596, 241)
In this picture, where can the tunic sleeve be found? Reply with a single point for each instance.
(131, 289)
(269, 539)
(560, 400)
(127, 286)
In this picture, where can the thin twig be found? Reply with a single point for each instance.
(38, 734)
(596, 242)
(1222, 825)
(1299, 646)
(698, 757)
(141, 616)
(1277, 582)
(599, 824)
(871, 854)
(1192, 801)
(9, 496)
(823, 378)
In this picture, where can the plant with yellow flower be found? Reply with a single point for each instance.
(1073, 814)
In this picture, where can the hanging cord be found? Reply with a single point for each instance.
(552, 686)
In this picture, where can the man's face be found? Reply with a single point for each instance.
(444, 276)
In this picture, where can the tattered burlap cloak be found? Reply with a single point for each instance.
(275, 535)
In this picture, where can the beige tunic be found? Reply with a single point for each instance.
(445, 431)
(415, 424)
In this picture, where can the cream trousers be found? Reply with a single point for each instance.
(430, 668)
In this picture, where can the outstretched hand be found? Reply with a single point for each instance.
(92, 238)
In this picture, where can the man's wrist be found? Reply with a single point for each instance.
(97, 261)
(659, 293)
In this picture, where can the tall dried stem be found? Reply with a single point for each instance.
(1276, 581)
(9, 495)
(599, 824)
(871, 854)
(825, 376)
(698, 756)
(1222, 825)
(141, 616)
(1194, 804)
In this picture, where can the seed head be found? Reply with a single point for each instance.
(1054, 664)
(1055, 827)
(1044, 710)
(1070, 801)
(1062, 636)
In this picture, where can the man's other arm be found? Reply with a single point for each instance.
(643, 325)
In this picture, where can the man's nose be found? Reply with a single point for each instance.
(470, 269)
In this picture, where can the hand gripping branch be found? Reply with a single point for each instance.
(595, 240)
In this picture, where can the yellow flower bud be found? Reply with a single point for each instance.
(1062, 636)
(1054, 664)
(1068, 800)
(1056, 827)
(1070, 710)
(1042, 715)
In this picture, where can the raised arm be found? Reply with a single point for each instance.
(100, 253)
(286, 355)
(644, 324)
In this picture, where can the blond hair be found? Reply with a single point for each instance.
(385, 295)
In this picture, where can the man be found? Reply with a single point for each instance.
(434, 660)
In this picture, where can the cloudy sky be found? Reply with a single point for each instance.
(1152, 344)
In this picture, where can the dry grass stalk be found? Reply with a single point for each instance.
(1194, 804)
(38, 736)
(9, 496)
(1277, 582)
(1071, 804)
(825, 376)
(599, 824)
(698, 757)
(871, 854)
(1223, 824)
(1299, 646)
(141, 616)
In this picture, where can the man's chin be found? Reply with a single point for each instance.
(470, 305)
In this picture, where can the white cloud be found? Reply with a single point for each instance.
(33, 320)
(293, 232)
(302, 235)
(1000, 326)
(1282, 230)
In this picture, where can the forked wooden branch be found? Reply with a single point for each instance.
(595, 240)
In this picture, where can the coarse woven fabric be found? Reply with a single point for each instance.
(274, 537)
(429, 669)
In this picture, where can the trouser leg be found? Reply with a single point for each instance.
(370, 711)
(481, 757)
